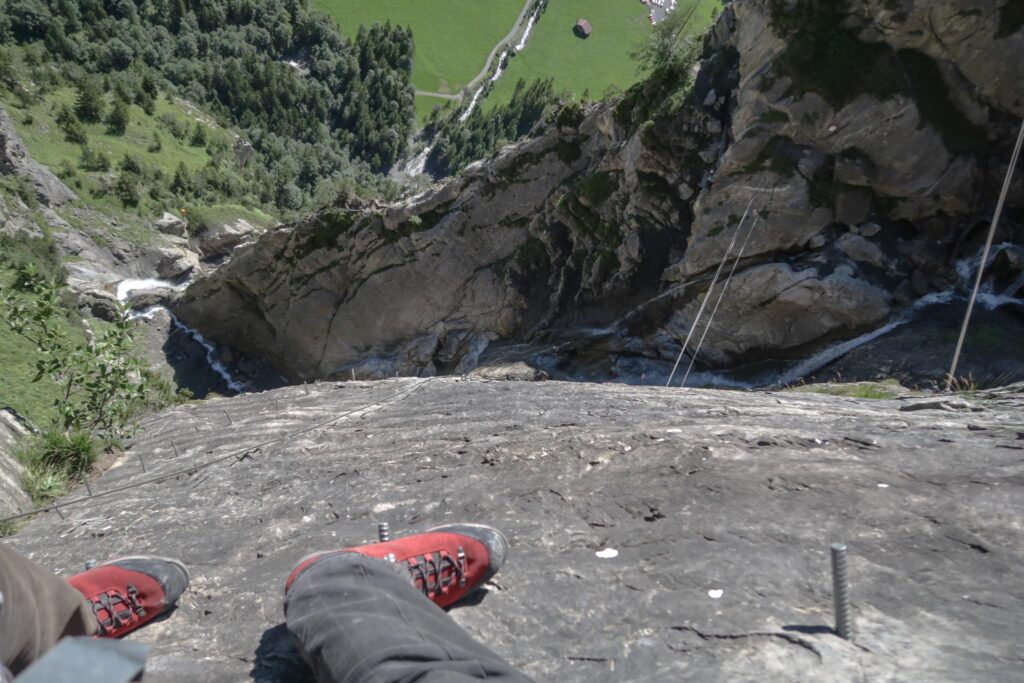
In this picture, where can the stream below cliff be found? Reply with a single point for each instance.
(914, 346)
(184, 345)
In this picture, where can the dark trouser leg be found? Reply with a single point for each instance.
(357, 620)
(39, 609)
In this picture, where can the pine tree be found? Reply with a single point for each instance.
(71, 126)
(181, 185)
(127, 188)
(198, 138)
(89, 103)
(117, 120)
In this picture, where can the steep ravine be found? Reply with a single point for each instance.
(868, 140)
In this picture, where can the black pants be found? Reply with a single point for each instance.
(359, 620)
(356, 620)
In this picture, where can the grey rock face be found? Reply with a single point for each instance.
(604, 235)
(698, 491)
(14, 159)
(773, 307)
(12, 498)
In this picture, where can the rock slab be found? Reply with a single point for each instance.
(721, 507)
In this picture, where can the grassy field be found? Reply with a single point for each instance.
(426, 104)
(452, 37)
(596, 64)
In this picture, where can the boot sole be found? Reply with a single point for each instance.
(170, 560)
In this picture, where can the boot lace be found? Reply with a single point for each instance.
(121, 609)
(436, 573)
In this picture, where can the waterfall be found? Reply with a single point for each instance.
(125, 287)
(502, 65)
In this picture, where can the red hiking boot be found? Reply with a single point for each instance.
(130, 591)
(446, 562)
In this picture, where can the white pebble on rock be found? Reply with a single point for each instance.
(607, 553)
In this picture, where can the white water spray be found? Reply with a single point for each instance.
(501, 60)
(502, 65)
(529, 29)
(125, 287)
(837, 351)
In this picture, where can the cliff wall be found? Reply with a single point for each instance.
(859, 145)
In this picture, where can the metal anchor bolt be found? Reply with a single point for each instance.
(89, 564)
(384, 532)
(841, 591)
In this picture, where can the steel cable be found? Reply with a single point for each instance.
(1014, 158)
(237, 454)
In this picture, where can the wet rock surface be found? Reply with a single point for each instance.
(699, 492)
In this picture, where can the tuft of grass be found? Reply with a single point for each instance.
(72, 453)
(54, 460)
(969, 384)
(884, 390)
(44, 484)
(597, 187)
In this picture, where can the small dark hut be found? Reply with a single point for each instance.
(582, 29)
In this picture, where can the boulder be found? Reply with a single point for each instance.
(219, 239)
(860, 249)
(169, 224)
(100, 303)
(775, 308)
(515, 372)
(853, 206)
(174, 263)
(140, 299)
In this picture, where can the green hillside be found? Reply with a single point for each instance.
(160, 142)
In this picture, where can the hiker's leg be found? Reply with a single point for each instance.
(38, 609)
(359, 619)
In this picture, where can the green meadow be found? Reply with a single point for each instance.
(452, 37)
(598, 64)
(594, 64)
